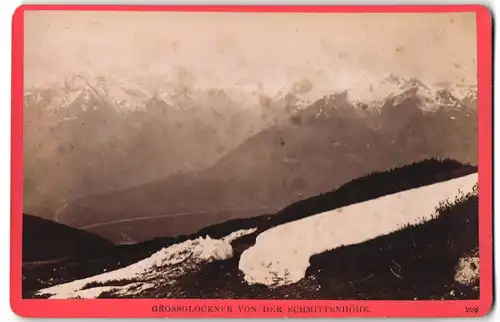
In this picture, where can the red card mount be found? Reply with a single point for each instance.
(251, 161)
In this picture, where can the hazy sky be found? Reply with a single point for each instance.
(250, 48)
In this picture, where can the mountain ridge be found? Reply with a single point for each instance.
(133, 94)
(212, 156)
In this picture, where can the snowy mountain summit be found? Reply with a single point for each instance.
(369, 95)
(395, 90)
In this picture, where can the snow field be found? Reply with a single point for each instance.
(281, 255)
(170, 262)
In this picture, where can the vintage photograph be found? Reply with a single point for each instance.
(246, 155)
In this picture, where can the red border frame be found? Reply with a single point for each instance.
(143, 308)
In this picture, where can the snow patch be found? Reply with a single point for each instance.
(89, 293)
(168, 263)
(281, 255)
(214, 249)
(238, 234)
(467, 270)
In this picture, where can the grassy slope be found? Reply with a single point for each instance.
(417, 262)
(368, 187)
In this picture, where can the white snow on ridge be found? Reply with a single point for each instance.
(132, 91)
(237, 234)
(168, 263)
(281, 255)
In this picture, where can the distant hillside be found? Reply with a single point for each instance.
(370, 186)
(46, 240)
(87, 135)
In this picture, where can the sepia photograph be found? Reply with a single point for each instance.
(250, 155)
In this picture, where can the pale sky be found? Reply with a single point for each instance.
(223, 49)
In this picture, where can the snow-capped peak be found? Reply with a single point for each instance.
(446, 99)
(471, 96)
(120, 93)
(364, 93)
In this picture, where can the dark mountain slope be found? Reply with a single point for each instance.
(44, 240)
